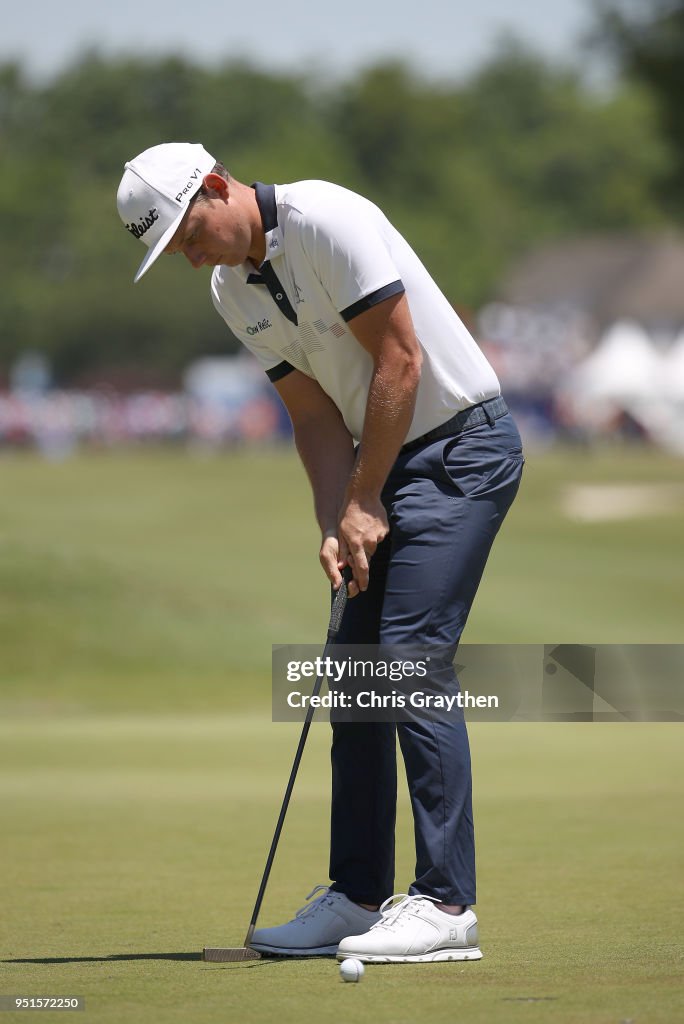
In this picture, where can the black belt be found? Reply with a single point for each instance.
(485, 412)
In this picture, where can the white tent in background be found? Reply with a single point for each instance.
(673, 371)
(624, 368)
(670, 430)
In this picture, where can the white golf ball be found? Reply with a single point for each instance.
(351, 970)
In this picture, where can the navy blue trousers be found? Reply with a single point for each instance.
(445, 503)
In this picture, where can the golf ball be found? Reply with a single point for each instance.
(351, 970)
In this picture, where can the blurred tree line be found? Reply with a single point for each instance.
(474, 173)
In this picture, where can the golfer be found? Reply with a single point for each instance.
(413, 460)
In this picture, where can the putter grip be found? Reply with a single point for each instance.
(339, 603)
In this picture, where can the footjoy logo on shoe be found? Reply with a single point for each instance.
(260, 325)
(144, 224)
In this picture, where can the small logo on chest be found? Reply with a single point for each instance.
(259, 326)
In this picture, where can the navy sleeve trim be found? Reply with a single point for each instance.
(386, 292)
(276, 373)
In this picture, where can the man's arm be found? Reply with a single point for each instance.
(347, 492)
(386, 332)
(326, 449)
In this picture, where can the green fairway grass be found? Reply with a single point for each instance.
(159, 580)
(128, 844)
(141, 776)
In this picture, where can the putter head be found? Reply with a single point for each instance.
(222, 955)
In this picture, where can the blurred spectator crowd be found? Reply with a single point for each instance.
(563, 380)
(224, 402)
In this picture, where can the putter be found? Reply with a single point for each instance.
(219, 954)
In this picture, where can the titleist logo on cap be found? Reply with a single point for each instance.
(144, 223)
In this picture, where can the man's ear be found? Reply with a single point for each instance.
(215, 185)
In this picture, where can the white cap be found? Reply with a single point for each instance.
(156, 190)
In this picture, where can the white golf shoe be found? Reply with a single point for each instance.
(413, 930)
(317, 927)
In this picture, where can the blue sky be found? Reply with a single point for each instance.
(440, 37)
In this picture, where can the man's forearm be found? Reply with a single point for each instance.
(328, 458)
(389, 411)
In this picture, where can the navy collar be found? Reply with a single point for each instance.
(266, 201)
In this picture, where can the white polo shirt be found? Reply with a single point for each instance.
(330, 255)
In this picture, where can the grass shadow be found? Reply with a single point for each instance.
(102, 959)
(129, 957)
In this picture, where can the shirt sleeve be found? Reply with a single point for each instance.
(346, 239)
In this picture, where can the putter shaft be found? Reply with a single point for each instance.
(218, 954)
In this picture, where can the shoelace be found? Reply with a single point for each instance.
(326, 896)
(391, 910)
